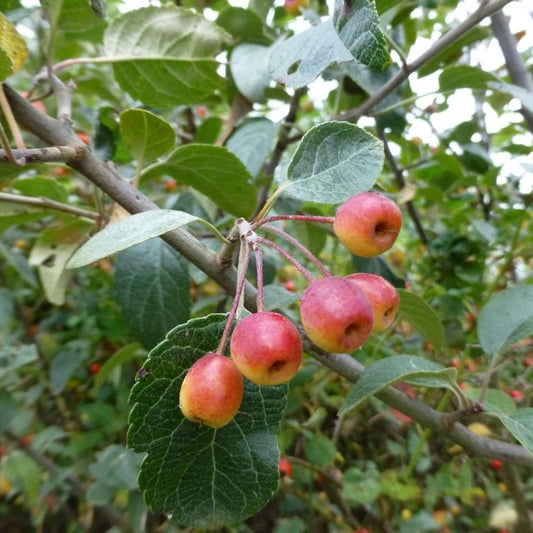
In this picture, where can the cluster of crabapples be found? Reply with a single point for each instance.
(338, 314)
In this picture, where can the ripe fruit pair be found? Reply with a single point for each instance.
(265, 347)
(338, 314)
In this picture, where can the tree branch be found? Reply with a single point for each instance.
(486, 9)
(55, 132)
(44, 155)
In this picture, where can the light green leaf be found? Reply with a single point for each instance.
(520, 424)
(334, 161)
(525, 96)
(128, 232)
(203, 477)
(422, 317)
(361, 487)
(24, 473)
(384, 372)
(213, 171)
(505, 319)
(70, 15)
(298, 60)
(164, 56)
(320, 450)
(252, 142)
(146, 135)
(66, 361)
(357, 23)
(14, 357)
(464, 76)
(41, 186)
(249, 68)
(13, 49)
(152, 286)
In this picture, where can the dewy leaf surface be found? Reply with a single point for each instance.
(357, 23)
(152, 287)
(505, 319)
(202, 477)
(164, 56)
(384, 372)
(334, 161)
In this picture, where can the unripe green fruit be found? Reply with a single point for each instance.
(368, 224)
(212, 391)
(382, 296)
(336, 314)
(266, 348)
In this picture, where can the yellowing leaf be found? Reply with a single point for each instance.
(13, 49)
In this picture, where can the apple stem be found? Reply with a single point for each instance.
(305, 273)
(259, 269)
(297, 244)
(244, 259)
(302, 218)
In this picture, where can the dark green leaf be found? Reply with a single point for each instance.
(66, 362)
(152, 287)
(464, 76)
(203, 477)
(40, 186)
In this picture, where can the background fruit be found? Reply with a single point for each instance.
(368, 223)
(336, 314)
(212, 391)
(266, 348)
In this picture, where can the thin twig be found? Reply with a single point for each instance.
(49, 154)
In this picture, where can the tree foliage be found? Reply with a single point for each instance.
(135, 143)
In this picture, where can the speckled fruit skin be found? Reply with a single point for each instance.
(212, 391)
(266, 348)
(336, 315)
(368, 224)
(382, 295)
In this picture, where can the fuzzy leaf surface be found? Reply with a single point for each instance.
(203, 477)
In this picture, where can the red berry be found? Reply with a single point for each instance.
(290, 286)
(516, 394)
(95, 368)
(25, 441)
(285, 467)
(496, 464)
(528, 361)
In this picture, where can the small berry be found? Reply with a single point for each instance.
(25, 441)
(496, 464)
(171, 184)
(516, 394)
(290, 286)
(95, 368)
(285, 468)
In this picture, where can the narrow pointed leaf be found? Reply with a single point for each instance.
(357, 23)
(202, 477)
(384, 372)
(334, 161)
(505, 319)
(128, 232)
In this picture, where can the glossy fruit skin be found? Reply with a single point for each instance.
(212, 391)
(266, 348)
(367, 224)
(336, 314)
(383, 297)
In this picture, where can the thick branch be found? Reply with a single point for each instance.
(54, 132)
(486, 9)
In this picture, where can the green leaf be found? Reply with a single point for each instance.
(213, 171)
(24, 473)
(249, 68)
(163, 56)
(14, 357)
(384, 372)
(252, 142)
(505, 319)
(520, 424)
(422, 317)
(65, 363)
(525, 96)
(127, 232)
(243, 24)
(152, 287)
(16, 260)
(464, 76)
(40, 186)
(320, 450)
(298, 60)
(334, 161)
(397, 489)
(70, 15)
(361, 486)
(13, 49)
(357, 23)
(146, 135)
(204, 478)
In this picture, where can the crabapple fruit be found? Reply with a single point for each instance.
(292, 7)
(367, 223)
(212, 391)
(382, 295)
(336, 314)
(267, 348)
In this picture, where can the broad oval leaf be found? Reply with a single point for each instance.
(213, 171)
(164, 56)
(249, 68)
(357, 23)
(13, 49)
(505, 319)
(202, 477)
(298, 60)
(146, 135)
(152, 287)
(127, 232)
(464, 76)
(384, 372)
(422, 317)
(520, 424)
(334, 161)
